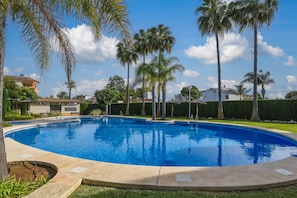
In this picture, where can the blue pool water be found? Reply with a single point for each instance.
(136, 141)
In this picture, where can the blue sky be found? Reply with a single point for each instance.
(96, 62)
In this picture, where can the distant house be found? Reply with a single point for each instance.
(211, 94)
(65, 107)
(24, 81)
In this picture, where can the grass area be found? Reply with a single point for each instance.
(95, 191)
(291, 191)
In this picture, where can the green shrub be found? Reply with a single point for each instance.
(11, 187)
(96, 112)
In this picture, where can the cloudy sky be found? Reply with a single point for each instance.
(96, 62)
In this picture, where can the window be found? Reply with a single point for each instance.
(70, 108)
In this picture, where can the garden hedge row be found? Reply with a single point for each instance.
(282, 110)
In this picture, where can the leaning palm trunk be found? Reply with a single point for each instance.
(220, 103)
(255, 114)
(128, 92)
(3, 159)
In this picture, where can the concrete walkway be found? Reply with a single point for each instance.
(74, 171)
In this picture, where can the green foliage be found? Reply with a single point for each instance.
(96, 112)
(5, 102)
(106, 96)
(11, 187)
(195, 93)
(291, 94)
(17, 92)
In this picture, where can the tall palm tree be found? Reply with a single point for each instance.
(143, 47)
(241, 91)
(39, 22)
(152, 78)
(254, 14)
(162, 41)
(70, 85)
(126, 54)
(214, 19)
(166, 75)
(263, 79)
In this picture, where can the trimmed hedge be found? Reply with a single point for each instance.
(282, 110)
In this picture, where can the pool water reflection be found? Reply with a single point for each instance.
(140, 142)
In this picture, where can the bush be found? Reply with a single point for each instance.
(96, 112)
(11, 187)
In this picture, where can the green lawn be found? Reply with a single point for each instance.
(285, 192)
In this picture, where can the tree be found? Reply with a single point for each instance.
(254, 14)
(143, 45)
(214, 19)
(62, 95)
(40, 20)
(195, 93)
(127, 55)
(263, 79)
(161, 41)
(70, 85)
(106, 97)
(152, 77)
(166, 75)
(241, 91)
(291, 94)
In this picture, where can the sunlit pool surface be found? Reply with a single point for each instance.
(140, 142)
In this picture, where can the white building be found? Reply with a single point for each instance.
(211, 94)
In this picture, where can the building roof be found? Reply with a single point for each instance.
(53, 100)
(23, 79)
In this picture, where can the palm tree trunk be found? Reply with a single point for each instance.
(153, 103)
(128, 92)
(159, 102)
(69, 93)
(3, 159)
(220, 103)
(255, 114)
(164, 101)
(143, 95)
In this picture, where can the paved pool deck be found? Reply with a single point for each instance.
(72, 172)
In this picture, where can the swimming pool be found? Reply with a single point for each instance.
(140, 142)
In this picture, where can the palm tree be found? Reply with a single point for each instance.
(62, 95)
(126, 54)
(255, 14)
(166, 75)
(39, 22)
(241, 91)
(70, 85)
(152, 78)
(214, 19)
(143, 47)
(162, 40)
(263, 79)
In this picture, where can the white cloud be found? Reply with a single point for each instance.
(190, 73)
(35, 76)
(232, 46)
(291, 79)
(86, 49)
(292, 82)
(17, 71)
(267, 49)
(290, 61)
(87, 87)
(213, 83)
(173, 89)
